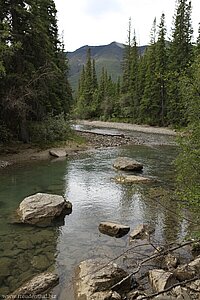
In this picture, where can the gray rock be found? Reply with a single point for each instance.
(181, 293)
(42, 209)
(188, 271)
(113, 229)
(94, 278)
(127, 164)
(57, 153)
(141, 231)
(37, 286)
(132, 179)
(161, 280)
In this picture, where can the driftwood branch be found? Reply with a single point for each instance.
(183, 283)
(161, 253)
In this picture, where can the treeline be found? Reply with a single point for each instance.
(150, 90)
(33, 67)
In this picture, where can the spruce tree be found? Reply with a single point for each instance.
(180, 55)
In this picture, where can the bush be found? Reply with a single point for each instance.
(52, 129)
(5, 134)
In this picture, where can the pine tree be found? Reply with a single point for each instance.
(149, 106)
(181, 52)
(161, 72)
(36, 73)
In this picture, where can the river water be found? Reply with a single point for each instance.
(86, 180)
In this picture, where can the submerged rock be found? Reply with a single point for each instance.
(127, 164)
(132, 179)
(36, 287)
(141, 231)
(113, 229)
(42, 209)
(94, 279)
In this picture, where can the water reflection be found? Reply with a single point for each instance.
(86, 181)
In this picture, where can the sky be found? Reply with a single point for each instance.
(100, 22)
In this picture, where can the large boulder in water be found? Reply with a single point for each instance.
(127, 164)
(94, 279)
(42, 209)
(37, 288)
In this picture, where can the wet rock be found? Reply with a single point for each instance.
(94, 279)
(5, 267)
(161, 279)
(37, 286)
(141, 232)
(25, 245)
(132, 179)
(127, 164)
(57, 153)
(40, 262)
(42, 209)
(113, 229)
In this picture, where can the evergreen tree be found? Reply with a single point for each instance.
(181, 52)
(36, 73)
(161, 73)
(149, 106)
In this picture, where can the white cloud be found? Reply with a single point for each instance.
(98, 22)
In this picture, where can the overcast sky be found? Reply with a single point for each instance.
(100, 22)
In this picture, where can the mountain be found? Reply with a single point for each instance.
(108, 56)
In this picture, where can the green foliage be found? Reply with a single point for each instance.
(52, 129)
(33, 66)
(188, 161)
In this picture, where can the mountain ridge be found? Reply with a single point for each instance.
(109, 56)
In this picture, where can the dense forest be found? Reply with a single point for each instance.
(33, 68)
(160, 87)
(151, 88)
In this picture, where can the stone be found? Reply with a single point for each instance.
(132, 179)
(195, 286)
(161, 279)
(141, 232)
(42, 209)
(94, 279)
(6, 265)
(188, 271)
(40, 262)
(57, 153)
(170, 262)
(36, 287)
(113, 229)
(181, 293)
(127, 164)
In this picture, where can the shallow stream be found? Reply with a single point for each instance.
(86, 180)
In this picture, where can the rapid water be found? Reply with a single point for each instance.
(86, 180)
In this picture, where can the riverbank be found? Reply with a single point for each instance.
(131, 127)
(136, 135)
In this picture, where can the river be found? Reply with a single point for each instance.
(86, 180)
